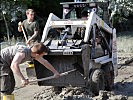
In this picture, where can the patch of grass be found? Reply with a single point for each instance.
(125, 42)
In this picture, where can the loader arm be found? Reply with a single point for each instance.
(92, 20)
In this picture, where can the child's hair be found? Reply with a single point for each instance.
(39, 48)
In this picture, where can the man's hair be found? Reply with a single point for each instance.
(39, 48)
(29, 10)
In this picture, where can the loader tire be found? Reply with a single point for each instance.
(97, 81)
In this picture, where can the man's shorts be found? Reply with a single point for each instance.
(7, 84)
(7, 81)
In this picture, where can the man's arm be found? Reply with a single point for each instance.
(33, 36)
(36, 32)
(48, 66)
(15, 67)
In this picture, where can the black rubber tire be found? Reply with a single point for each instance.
(108, 76)
(97, 81)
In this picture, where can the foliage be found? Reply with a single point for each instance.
(14, 11)
(121, 11)
(10, 13)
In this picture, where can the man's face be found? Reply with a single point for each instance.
(30, 16)
(41, 55)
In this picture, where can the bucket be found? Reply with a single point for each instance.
(8, 97)
(30, 65)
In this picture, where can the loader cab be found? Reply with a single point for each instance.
(75, 10)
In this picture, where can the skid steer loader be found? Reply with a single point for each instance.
(83, 40)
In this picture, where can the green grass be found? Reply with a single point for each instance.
(125, 42)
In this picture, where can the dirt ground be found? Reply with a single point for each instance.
(123, 88)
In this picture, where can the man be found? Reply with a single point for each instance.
(31, 27)
(10, 59)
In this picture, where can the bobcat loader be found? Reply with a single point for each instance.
(83, 40)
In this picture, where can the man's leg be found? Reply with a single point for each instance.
(7, 81)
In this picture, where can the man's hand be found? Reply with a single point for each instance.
(24, 82)
(48, 66)
(56, 75)
(20, 24)
(28, 42)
